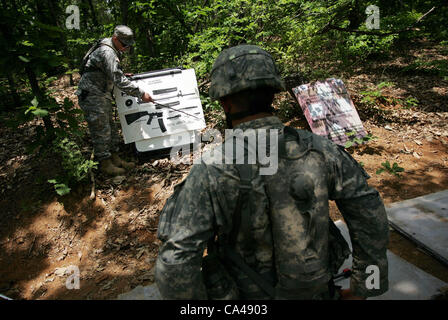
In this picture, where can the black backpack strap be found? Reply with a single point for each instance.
(241, 221)
(83, 69)
(115, 50)
(287, 131)
(281, 144)
(96, 45)
(237, 260)
(304, 138)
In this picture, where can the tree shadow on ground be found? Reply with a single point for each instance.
(123, 259)
(413, 77)
(54, 231)
(370, 150)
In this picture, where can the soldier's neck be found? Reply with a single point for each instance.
(251, 117)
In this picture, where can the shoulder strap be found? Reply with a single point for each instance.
(241, 215)
(236, 258)
(83, 68)
(307, 140)
(241, 221)
(96, 45)
(287, 131)
(105, 44)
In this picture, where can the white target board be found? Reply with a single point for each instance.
(174, 117)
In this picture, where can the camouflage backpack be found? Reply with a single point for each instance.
(82, 68)
(308, 247)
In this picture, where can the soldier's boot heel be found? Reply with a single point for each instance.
(117, 161)
(107, 167)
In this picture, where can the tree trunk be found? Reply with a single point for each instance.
(354, 16)
(12, 88)
(124, 6)
(40, 97)
(174, 10)
(92, 10)
(84, 13)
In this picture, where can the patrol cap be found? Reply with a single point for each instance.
(241, 68)
(124, 34)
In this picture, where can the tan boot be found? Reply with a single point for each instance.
(107, 167)
(117, 161)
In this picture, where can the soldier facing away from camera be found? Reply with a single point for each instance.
(269, 236)
(101, 71)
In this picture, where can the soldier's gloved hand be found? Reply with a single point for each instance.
(146, 97)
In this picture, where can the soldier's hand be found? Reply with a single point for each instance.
(146, 97)
(346, 294)
(129, 74)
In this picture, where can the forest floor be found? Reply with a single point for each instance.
(112, 240)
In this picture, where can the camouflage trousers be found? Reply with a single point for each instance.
(103, 131)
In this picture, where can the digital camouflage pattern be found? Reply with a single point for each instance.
(243, 67)
(98, 113)
(103, 71)
(106, 61)
(283, 206)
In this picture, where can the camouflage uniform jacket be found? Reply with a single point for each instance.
(105, 63)
(203, 204)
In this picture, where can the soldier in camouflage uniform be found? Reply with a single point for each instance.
(101, 73)
(284, 234)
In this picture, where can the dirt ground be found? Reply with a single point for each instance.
(113, 239)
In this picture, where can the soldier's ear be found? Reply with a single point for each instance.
(116, 43)
(225, 104)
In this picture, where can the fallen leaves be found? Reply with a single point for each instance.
(64, 254)
(60, 272)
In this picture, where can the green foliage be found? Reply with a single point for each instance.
(65, 115)
(66, 139)
(434, 67)
(364, 46)
(76, 166)
(208, 104)
(353, 140)
(38, 112)
(394, 169)
(69, 120)
(191, 33)
(372, 97)
(411, 102)
(288, 110)
(61, 188)
(37, 48)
